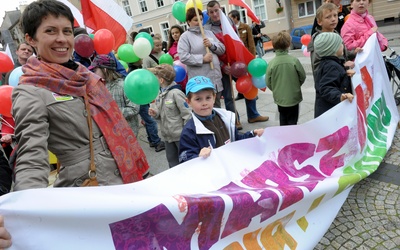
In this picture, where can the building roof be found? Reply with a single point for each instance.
(11, 18)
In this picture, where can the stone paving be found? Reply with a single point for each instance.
(370, 217)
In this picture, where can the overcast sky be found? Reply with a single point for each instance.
(6, 5)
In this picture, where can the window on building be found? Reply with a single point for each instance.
(184, 25)
(308, 8)
(259, 9)
(164, 30)
(127, 8)
(143, 5)
(160, 3)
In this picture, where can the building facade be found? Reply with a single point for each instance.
(156, 15)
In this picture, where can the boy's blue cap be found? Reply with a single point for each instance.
(198, 83)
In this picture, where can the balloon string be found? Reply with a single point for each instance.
(6, 122)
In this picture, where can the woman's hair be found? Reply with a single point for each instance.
(281, 41)
(110, 75)
(170, 39)
(325, 6)
(191, 13)
(35, 12)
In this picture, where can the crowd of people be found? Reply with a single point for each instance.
(78, 110)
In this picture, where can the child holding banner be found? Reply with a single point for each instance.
(209, 127)
(360, 26)
(171, 109)
(332, 83)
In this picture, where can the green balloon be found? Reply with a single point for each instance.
(147, 36)
(91, 36)
(166, 58)
(141, 86)
(257, 67)
(179, 11)
(124, 64)
(126, 53)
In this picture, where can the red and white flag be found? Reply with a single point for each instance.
(243, 4)
(235, 49)
(101, 14)
(78, 18)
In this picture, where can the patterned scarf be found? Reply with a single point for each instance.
(127, 153)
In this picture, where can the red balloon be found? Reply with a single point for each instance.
(244, 84)
(84, 45)
(238, 69)
(6, 63)
(252, 94)
(104, 41)
(305, 39)
(5, 100)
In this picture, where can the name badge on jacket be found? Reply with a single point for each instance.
(62, 98)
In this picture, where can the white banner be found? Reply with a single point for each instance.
(278, 191)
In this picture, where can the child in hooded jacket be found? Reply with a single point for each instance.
(332, 83)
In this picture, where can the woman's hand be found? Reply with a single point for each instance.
(5, 237)
(208, 57)
(207, 42)
(374, 29)
(205, 152)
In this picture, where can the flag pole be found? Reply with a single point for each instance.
(237, 122)
(202, 30)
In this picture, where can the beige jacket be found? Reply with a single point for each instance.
(46, 121)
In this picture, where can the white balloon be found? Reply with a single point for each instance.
(13, 79)
(142, 47)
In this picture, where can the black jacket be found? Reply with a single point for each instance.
(5, 175)
(330, 83)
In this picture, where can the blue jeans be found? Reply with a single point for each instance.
(259, 49)
(251, 108)
(150, 124)
(227, 93)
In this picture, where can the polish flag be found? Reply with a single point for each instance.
(101, 14)
(78, 18)
(235, 49)
(243, 4)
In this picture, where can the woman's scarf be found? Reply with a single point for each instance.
(125, 149)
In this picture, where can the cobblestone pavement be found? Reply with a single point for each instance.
(370, 217)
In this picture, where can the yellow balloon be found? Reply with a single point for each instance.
(190, 4)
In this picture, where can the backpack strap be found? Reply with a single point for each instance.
(154, 59)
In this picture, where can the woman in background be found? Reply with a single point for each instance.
(173, 38)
